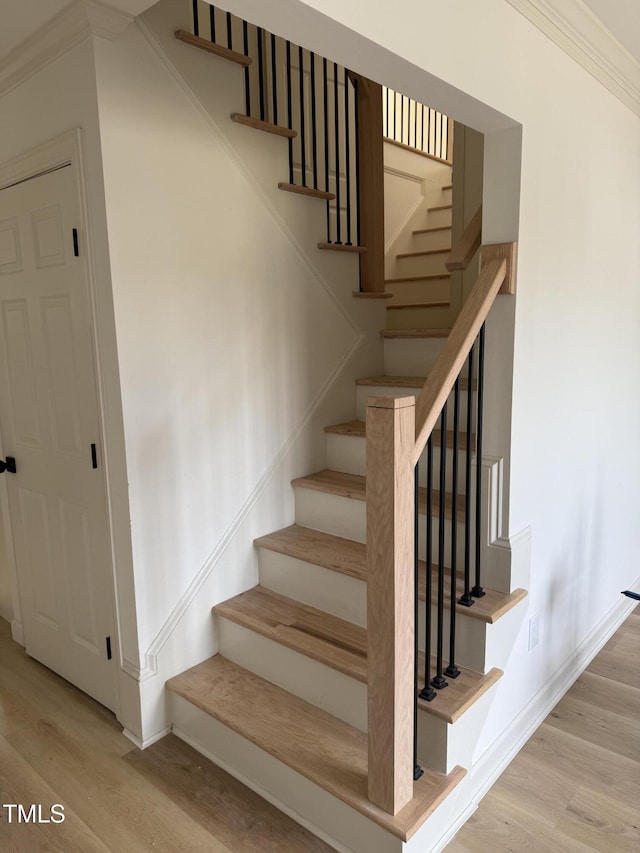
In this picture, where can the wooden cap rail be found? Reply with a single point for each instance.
(449, 363)
(468, 245)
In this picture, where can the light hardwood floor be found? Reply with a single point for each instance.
(574, 787)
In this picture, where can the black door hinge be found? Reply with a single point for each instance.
(76, 250)
(108, 639)
(94, 456)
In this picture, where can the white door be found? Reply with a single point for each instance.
(49, 422)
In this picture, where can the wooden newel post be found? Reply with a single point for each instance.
(390, 605)
(371, 184)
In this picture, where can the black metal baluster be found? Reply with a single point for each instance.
(357, 144)
(274, 79)
(212, 22)
(337, 143)
(229, 32)
(467, 599)
(261, 74)
(417, 770)
(289, 109)
(428, 693)
(325, 98)
(477, 591)
(314, 123)
(247, 82)
(196, 22)
(452, 670)
(401, 118)
(415, 124)
(347, 154)
(303, 144)
(440, 682)
(429, 149)
(422, 148)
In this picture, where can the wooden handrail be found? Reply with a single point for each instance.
(460, 256)
(442, 377)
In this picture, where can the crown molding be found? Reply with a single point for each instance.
(583, 36)
(79, 21)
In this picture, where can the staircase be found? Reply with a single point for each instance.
(285, 704)
(420, 283)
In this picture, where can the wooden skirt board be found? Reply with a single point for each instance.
(49, 420)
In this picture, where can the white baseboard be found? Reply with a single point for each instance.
(484, 773)
(16, 631)
(143, 744)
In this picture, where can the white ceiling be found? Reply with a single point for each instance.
(21, 18)
(622, 17)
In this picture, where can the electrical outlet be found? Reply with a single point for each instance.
(534, 631)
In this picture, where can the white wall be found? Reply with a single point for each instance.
(575, 458)
(238, 340)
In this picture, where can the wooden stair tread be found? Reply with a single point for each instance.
(424, 254)
(307, 191)
(342, 247)
(442, 304)
(354, 486)
(318, 746)
(318, 635)
(266, 126)
(364, 294)
(431, 230)
(339, 645)
(441, 276)
(358, 429)
(212, 47)
(440, 207)
(321, 549)
(405, 381)
(350, 558)
(462, 692)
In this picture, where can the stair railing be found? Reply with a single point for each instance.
(332, 119)
(401, 436)
(413, 125)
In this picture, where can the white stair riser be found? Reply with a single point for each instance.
(471, 638)
(430, 239)
(324, 589)
(338, 694)
(321, 685)
(421, 265)
(434, 317)
(346, 597)
(363, 392)
(411, 356)
(347, 453)
(313, 807)
(437, 290)
(436, 218)
(346, 517)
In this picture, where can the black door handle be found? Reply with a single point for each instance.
(9, 465)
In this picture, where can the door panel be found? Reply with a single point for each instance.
(49, 419)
